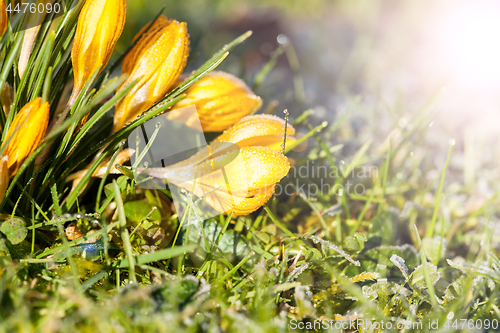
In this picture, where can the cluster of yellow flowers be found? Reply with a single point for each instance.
(155, 63)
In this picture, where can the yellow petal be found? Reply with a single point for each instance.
(156, 61)
(25, 133)
(258, 130)
(224, 202)
(256, 167)
(251, 204)
(100, 24)
(221, 100)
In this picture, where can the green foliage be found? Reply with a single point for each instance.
(14, 230)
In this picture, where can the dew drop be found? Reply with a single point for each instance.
(282, 39)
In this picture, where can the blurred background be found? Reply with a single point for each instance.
(390, 65)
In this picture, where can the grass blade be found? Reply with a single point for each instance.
(124, 232)
(430, 229)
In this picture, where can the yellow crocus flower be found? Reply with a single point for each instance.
(25, 133)
(239, 180)
(258, 130)
(100, 24)
(156, 62)
(238, 171)
(221, 99)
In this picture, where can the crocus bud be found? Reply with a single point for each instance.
(221, 100)
(3, 18)
(26, 132)
(156, 62)
(4, 176)
(259, 130)
(100, 24)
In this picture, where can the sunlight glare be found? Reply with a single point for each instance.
(472, 43)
